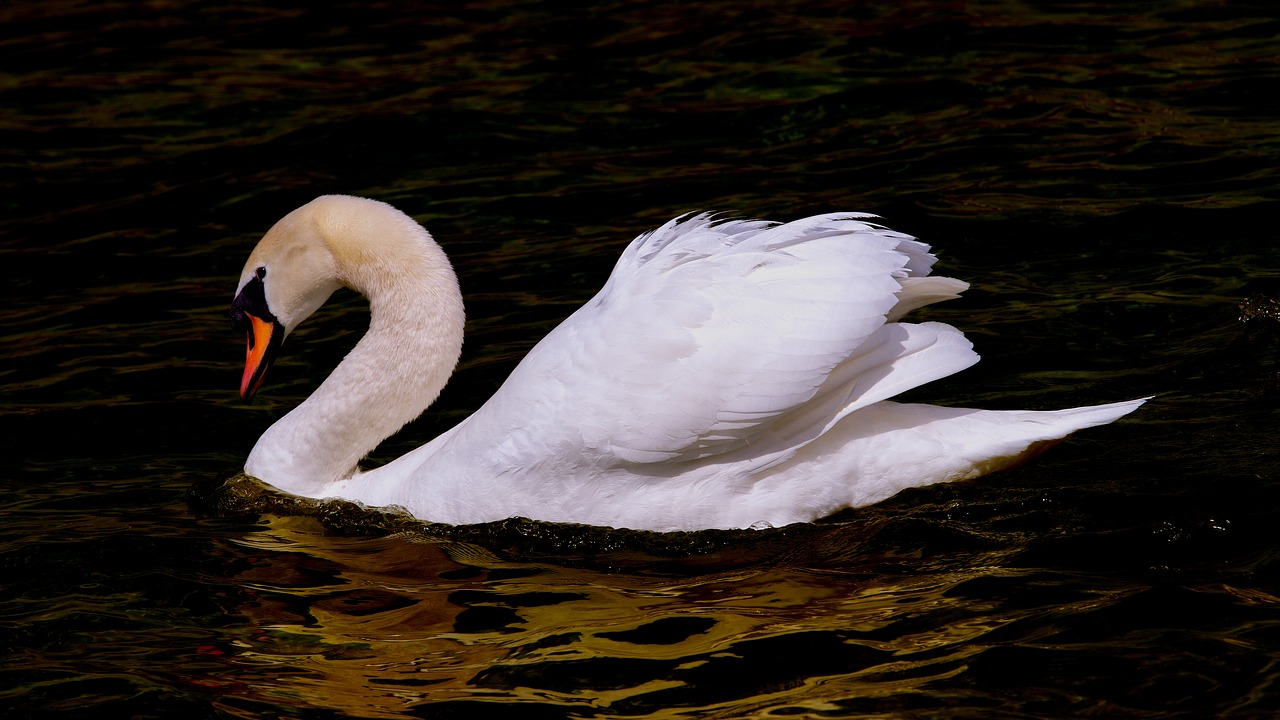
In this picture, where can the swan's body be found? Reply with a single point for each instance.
(729, 374)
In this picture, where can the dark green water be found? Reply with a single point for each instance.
(1104, 174)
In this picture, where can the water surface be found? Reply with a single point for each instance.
(1103, 174)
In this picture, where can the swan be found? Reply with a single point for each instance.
(729, 374)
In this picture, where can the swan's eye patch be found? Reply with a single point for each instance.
(252, 300)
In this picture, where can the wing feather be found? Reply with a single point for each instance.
(714, 335)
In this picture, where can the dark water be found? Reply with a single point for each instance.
(1104, 174)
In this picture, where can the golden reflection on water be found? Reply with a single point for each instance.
(372, 627)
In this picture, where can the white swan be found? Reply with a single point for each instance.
(729, 374)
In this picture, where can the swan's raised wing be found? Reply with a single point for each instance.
(713, 337)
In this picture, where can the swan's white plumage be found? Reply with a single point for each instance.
(728, 374)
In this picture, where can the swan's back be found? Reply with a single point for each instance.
(727, 334)
(723, 341)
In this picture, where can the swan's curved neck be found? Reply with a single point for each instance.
(394, 373)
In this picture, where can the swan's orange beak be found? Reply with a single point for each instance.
(258, 355)
(263, 334)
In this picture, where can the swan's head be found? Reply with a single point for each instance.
(292, 272)
(332, 242)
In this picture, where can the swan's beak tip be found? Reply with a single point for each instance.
(262, 338)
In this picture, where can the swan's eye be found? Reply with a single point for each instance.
(262, 272)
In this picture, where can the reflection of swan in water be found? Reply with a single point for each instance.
(373, 626)
(729, 374)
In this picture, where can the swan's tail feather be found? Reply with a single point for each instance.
(1042, 429)
(1093, 415)
(889, 446)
